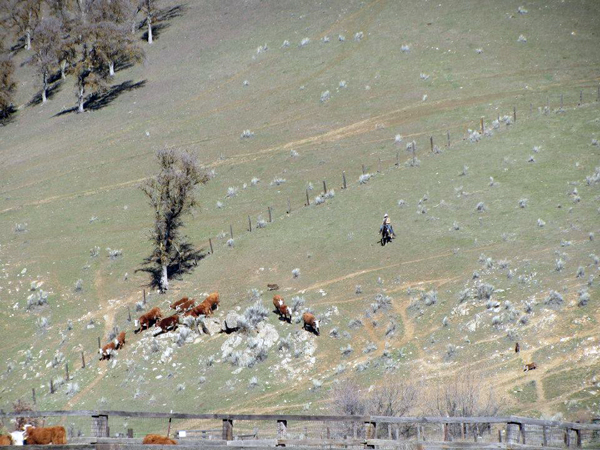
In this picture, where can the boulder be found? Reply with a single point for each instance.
(210, 326)
(231, 322)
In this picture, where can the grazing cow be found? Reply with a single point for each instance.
(530, 366)
(213, 300)
(273, 287)
(278, 301)
(120, 340)
(282, 309)
(176, 304)
(517, 348)
(107, 351)
(18, 437)
(203, 309)
(45, 436)
(310, 322)
(168, 323)
(148, 319)
(5, 439)
(158, 440)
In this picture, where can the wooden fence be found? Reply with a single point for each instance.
(364, 431)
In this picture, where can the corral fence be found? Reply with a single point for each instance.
(316, 431)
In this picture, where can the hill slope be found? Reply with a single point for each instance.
(72, 179)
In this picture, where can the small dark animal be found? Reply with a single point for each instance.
(530, 366)
(310, 322)
(273, 287)
(517, 348)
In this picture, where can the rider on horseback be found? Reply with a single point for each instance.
(388, 224)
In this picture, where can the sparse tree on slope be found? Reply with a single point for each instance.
(113, 43)
(23, 15)
(149, 9)
(46, 38)
(171, 196)
(7, 85)
(88, 74)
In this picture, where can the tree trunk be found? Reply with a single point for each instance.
(80, 100)
(45, 88)
(28, 39)
(164, 279)
(63, 68)
(111, 68)
(149, 30)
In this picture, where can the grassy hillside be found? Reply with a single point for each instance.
(70, 181)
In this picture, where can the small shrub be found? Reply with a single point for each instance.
(341, 37)
(580, 272)
(278, 181)
(346, 350)
(424, 76)
(219, 204)
(231, 192)
(371, 347)
(465, 171)
(72, 389)
(355, 323)
(230, 242)
(260, 222)
(256, 314)
(382, 302)
(464, 295)
(445, 321)
(522, 10)
(479, 51)
(480, 207)
(20, 228)
(595, 259)
(560, 265)
(522, 39)
(429, 298)
(246, 83)
(113, 253)
(484, 291)
(43, 322)
(139, 306)
(325, 96)
(334, 333)
(78, 285)
(254, 181)
(297, 304)
(253, 382)
(358, 289)
(304, 42)
(358, 36)
(541, 223)
(524, 320)
(405, 48)
(262, 49)
(342, 84)
(531, 159)
(285, 44)
(523, 203)
(496, 321)
(325, 39)
(329, 194)
(553, 299)
(584, 298)
(474, 136)
(296, 273)
(247, 134)
(364, 178)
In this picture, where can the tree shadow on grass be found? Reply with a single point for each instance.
(185, 264)
(8, 116)
(163, 16)
(100, 100)
(51, 92)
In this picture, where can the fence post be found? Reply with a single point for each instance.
(500, 436)
(169, 427)
(270, 218)
(418, 432)
(289, 210)
(354, 430)
(448, 135)
(431, 142)
(561, 101)
(545, 437)
(67, 371)
(249, 224)
(99, 344)
(522, 430)
(515, 114)
(307, 199)
(100, 426)
(511, 434)
(324, 187)
(328, 433)
(281, 431)
(369, 433)
(446, 432)
(128, 314)
(33, 395)
(578, 434)
(398, 158)
(210, 245)
(481, 124)
(144, 291)
(344, 179)
(379, 166)
(130, 433)
(51, 386)
(567, 437)
(227, 430)
(363, 169)
(230, 231)
(530, 108)
(581, 97)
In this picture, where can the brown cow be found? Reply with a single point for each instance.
(168, 323)
(203, 309)
(157, 439)
(530, 366)
(176, 304)
(120, 340)
(517, 348)
(45, 436)
(282, 309)
(5, 439)
(107, 350)
(213, 300)
(310, 322)
(278, 301)
(148, 319)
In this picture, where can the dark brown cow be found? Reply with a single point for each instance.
(148, 319)
(310, 322)
(45, 436)
(157, 439)
(120, 340)
(168, 323)
(530, 366)
(203, 309)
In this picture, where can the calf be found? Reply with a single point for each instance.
(157, 439)
(120, 340)
(168, 323)
(530, 366)
(45, 436)
(107, 351)
(5, 439)
(176, 304)
(148, 319)
(310, 322)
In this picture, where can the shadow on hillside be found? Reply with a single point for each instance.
(100, 100)
(185, 264)
(8, 116)
(163, 16)
(51, 92)
(20, 45)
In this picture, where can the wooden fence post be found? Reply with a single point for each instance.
(398, 158)
(515, 114)
(530, 108)
(578, 434)
(545, 437)
(580, 97)
(128, 314)
(169, 427)
(431, 142)
(307, 199)
(379, 166)
(561, 101)
(522, 430)
(448, 135)
(230, 231)
(210, 245)
(418, 433)
(328, 433)
(67, 371)
(270, 218)
(289, 210)
(227, 430)
(324, 187)
(130, 433)
(144, 291)
(33, 395)
(500, 436)
(82, 360)
(481, 124)
(281, 431)
(100, 426)
(344, 179)
(51, 386)
(99, 344)
(446, 432)
(249, 224)
(354, 430)
(567, 437)
(363, 169)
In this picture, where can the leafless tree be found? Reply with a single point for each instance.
(114, 43)
(347, 399)
(149, 9)
(7, 85)
(21, 15)
(395, 398)
(171, 196)
(46, 38)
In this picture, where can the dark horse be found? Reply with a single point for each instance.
(386, 235)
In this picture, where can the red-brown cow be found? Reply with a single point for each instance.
(530, 366)
(168, 323)
(5, 439)
(213, 300)
(176, 304)
(45, 436)
(203, 309)
(310, 322)
(148, 319)
(107, 351)
(120, 340)
(157, 439)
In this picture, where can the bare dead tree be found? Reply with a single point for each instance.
(8, 86)
(46, 38)
(22, 16)
(395, 398)
(347, 399)
(171, 196)
(149, 9)
(21, 406)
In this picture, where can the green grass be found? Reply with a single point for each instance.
(58, 172)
